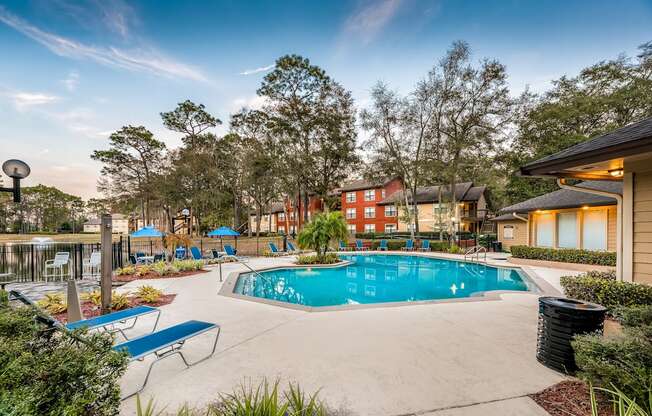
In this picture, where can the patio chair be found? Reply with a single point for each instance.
(216, 254)
(275, 251)
(343, 246)
(425, 245)
(106, 322)
(92, 265)
(292, 249)
(196, 254)
(159, 257)
(231, 253)
(359, 246)
(409, 245)
(163, 343)
(55, 267)
(383, 245)
(180, 253)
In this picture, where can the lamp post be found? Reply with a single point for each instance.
(16, 170)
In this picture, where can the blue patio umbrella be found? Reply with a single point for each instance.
(147, 231)
(223, 232)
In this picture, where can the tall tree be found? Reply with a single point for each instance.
(130, 166)
(313, 118)
(603, 97)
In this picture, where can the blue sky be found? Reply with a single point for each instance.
(71, 72)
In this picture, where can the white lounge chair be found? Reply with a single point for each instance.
(92, 265)
(55, 267)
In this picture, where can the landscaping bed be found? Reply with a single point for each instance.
(159, 270)
(90, 310)
(131, 277)
(571, 398)
(565, 255)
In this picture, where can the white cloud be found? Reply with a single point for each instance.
(71, 81)
(257, 70)
(252, 103)
(147, 61)
(367, 21)
(25, 100)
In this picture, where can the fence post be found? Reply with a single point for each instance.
(31, 255)
(151, 248)
(80, 262)
(128, 246)
(107, 262)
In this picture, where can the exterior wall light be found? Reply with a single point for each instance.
(617, 173)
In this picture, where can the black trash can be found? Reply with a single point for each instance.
(560, 319)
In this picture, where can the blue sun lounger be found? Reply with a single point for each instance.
(409, 245)
(275, 251)
(230, 252)
(343, 246)
(292, 248)
(106, 322)
(359, 246)
(166, 343)
(383, 245)
(425, 245)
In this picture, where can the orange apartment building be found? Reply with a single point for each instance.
(360, 207)
(275, 220)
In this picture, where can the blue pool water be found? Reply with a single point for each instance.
(379, 278)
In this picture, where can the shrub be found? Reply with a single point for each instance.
(567, 255)
(634, 316)
(127, 270)
(323, 229)
(149, 294)
(624, 361)
(54, 303)
(188, 265)
(118, 300)
(56, 373)
(600, 288)
(328, 258)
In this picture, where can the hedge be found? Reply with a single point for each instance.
(603, 289)
(567, 255)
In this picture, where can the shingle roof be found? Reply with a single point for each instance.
(508, 217)
(564, 198)
(463, 192)
(624, 137)
(360, 184)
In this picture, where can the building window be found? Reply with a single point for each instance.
(390, 228)
(281, 230)
(351, 228)
(545, 227)
(281, 216)
(370, 195)
(350, 213)
(567, 230)
(369, 228)
(350, 197)
(508, 232)
(370, 212)
(382, 193)
(390, 210)
(594, 230)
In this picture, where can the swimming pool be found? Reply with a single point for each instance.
(379, 278)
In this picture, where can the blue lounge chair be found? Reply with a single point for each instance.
(292, 248)
(409, 245)
(231, 253)
(425, 245)
(343, 246)
(196, 254)
(275, 251)
(106, 322)
(166, 343)
(383, 245)
(163, 343)
(359, 246)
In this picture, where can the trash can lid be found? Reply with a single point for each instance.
(571, 304)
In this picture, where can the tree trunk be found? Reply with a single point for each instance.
(409, 211)
(259, 212)
(306, 202)
(416, 209)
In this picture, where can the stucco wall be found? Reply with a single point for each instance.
(520, 233)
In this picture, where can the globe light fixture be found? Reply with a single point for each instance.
(16, 170)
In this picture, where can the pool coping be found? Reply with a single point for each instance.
(540, 285)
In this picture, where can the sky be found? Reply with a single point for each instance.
(72, 72)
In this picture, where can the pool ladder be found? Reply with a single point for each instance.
(475, 251)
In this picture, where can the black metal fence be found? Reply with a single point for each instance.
(26, 260)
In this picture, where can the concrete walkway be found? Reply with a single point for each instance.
(433, 359)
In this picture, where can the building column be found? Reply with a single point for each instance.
(626, 218)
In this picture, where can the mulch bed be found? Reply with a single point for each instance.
(89, 310)
(571, 398)
(131, 277)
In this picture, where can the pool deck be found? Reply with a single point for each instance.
(450, 359)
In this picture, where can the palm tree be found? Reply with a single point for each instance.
(323, 229)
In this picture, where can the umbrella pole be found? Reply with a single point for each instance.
(220, 263)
